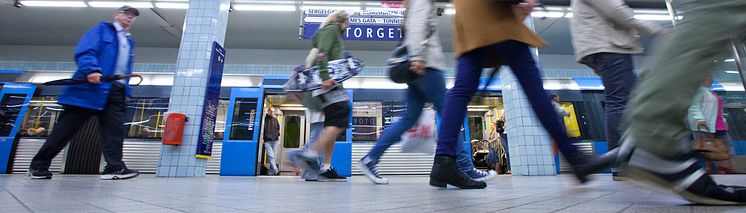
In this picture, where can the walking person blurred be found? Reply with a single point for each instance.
(604, 36)
(428, 63)
(104, 51)
(656, 144)
(491, 34)
(332, 98)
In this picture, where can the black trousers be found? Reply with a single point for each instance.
(110, 125)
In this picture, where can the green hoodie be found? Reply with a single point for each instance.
(329, 41)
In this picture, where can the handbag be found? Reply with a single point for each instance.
(399, 62)
(710, 147)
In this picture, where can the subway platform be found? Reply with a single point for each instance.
(86, 193)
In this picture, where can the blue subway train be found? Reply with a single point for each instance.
(30, 109)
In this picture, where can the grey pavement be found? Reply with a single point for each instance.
(86, 193)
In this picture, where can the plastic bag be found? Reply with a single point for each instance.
(421, 137)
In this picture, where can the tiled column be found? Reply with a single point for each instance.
(529, 144)
(206, 21)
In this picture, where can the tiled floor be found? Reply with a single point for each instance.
(67, 193)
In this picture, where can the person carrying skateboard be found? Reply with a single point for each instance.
(332, 99)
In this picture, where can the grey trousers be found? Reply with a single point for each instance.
(658, 106)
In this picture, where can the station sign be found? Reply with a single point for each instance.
(371, 25)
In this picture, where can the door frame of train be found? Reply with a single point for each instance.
(7, 142)
(495, 86)
(239, 156)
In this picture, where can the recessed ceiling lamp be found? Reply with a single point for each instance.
(54, 3)
(261, 7)
(115, 4)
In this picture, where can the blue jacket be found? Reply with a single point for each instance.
(96, 52)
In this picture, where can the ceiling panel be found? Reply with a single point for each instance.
(246, 30)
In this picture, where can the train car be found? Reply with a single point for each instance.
(238, 148)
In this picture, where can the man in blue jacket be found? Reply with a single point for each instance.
(105, 50)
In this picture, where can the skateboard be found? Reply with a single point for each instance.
(307, 79)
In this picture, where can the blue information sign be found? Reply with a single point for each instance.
(370, 25)
(210, 106)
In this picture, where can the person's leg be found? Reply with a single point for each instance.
(336, 122)
(66, 127)
(656, 136)
(111, 122)
(445, 170)
(518, 56)
(617, 73)
(454, 109)
(271, 147)
(392, 134)
(316, 129)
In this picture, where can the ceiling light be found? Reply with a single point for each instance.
(548, 14)
(120, 3)
(654, 17)
(730, 60)
(54, 3)
(732, 71)
(258, 7)
(346, 8)
(172, 5)
(332, 2)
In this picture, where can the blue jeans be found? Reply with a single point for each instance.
(271, 148)
(427, 88)
(616, 71)
(518, 56)
(316, 130)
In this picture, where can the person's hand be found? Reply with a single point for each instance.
(417, 67)
(526, 7)
(662, 32)
(328, 83)
(701, 124)
(94, 78)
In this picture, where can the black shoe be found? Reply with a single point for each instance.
(682, 175)
(330, 175)
(118, 174)
(39, 174)
(585, 165)
(445, 172)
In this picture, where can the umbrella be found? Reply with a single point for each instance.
(69, 81)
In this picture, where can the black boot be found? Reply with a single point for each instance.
(584, 165)
(446, 172)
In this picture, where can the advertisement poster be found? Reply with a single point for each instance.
(210, 106)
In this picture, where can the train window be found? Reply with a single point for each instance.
(40, 117)
(10, 107)
(244, 114)
(366, 120)
(147, 119)
(291, 134)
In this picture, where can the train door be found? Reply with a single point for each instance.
(241, 137)
(481, 131)
(294, 130)
(14, 101)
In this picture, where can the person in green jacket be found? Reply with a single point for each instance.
(332, 98)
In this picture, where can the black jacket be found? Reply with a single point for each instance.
(271, 128)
